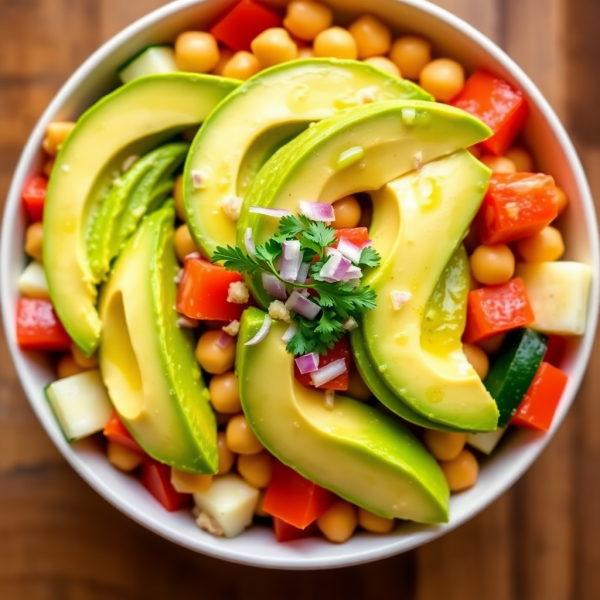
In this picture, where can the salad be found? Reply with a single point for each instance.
(299, 275)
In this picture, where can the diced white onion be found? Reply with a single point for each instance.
(349, 250)
(352, 273)
(399, 298)
(291, 260)
(261, 334)
(303, 306)
(270, 212)
(290, 332)
(317, 211)
(335, 268)
(328, 372)
(303, 272)
(274, 286)
(249, 242)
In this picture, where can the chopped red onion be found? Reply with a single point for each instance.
(303, 272)
(353, 272)
(273, 286)
(291, 261)
(399, 298)
(261, 334)
(303, 306)
(224, 340)
(199, 180)
(366, 244)
(249, 242)
(349, 250)
(290, 332)
(335, 268)
(328, 372)
(317, 211)
(270, 212)
(329, 251)
(308, 363)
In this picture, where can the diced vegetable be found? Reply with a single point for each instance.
(156, 478)
(115, 432)
(341, 350)
(229, 504)
(34, 197)
(284, 532)
(559, 295)
(497, 104)
(555, 353)
(513, 371)
(32, 281)
(496, 309)
(80, 403)
(243, 23)
(189, 483)
(122, 458)
(356, 235)
(294, 499)
(150, 61)
(516, 206)
(38, 327)
(486, 442)
(203, 292)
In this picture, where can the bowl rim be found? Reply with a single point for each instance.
(386, 548)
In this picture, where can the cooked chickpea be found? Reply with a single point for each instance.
(499, 164)
(189, 483)
(178, 197)
(561, 200)
(461, 472)
(33, 241)
(357, 388)
(492, 344)
(240, 438)
(410, 54)
(226, 456)
(491, 265)
(242, 65)
(347, 212)
(67, 366)
(374, 523)
(338, 522)
(122, 458)
(372, 36)
(256, 468)
(184, 244)
(444, 445)
(306, 53)
(225, 55)
(56, 134)
(306, 19)
(212, 357)
(478, 359)
(225, 393)
(274, 46)
(443, 78)
(196, 51)
(383, 64)
(545, 246)
(521, 159)
(335, 42)
(86, 362)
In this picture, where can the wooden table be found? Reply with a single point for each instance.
(60, 540)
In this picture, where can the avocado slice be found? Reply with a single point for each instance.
(418, 222)
(131, 120)
(147, 361)
(258, 118)
(354, 450)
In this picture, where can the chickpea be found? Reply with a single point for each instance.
(196, 51)
(85, 362)
(122, 458)
(545, 246)
(184, 244)
(335, 42)
(67, 366)
(189, 483)
(240, 438)
(225, 393)
(492, 344)
(499, 164)
(347, 212)
(357, 388)
(444, 445)
(491, 265)
(372, 36)
(306, 53)
(561, 200)
(242, 65)
(274, 46)
(56, 134)
(306, 19)
(383, 64)
(212, 357)
(178, 197)
(410, 54)
(256, 468)
(461, 472)
(443, 78)
(521, 159)
(226, 456)
(338, 522)
(478, 359)
(33, 241)
(225, 55)
(374, 523)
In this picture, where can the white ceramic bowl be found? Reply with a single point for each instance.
(554, 154)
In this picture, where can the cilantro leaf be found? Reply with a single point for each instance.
(290, 227)
(235, 259)
(369, 257)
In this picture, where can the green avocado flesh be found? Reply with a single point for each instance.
(357, 452)
(250, 124)
(130, 121)
(147, 362)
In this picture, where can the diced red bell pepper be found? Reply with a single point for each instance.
(156, 478)
(537, 409)
(294, 499)
(516, 206)
(555, 352)
(495, 309)
(497, 104)
(340, 350)
(284, 532)
(34, 197)
(38, 327)
(116, 432)
(243, 23)
(356, 235)
(203, 292)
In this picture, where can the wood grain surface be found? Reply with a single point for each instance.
(60, 540)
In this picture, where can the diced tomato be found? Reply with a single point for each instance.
(556, 350)
(284, 532)
(537, 409)
(495, 309)
(38, 327)
(356, 235)
(497, 104)
(243, 23)
(156, 478)
(116, 432)
(203, 292)
(340, 350)
(516, 206)
(294, 499)
(34, 197)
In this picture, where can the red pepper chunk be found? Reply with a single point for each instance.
(357, 235)
(495, 309)
(516, 206)
(203, 292)
(38, 327)
(116, 432)
(340, 383)
(34, 197)
(243, 23)
(537, 409)
(500, 106)
(156, 478)
(555, 352)
(284, 532)
(294, 499)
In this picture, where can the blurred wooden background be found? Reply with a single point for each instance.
(60, 540)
